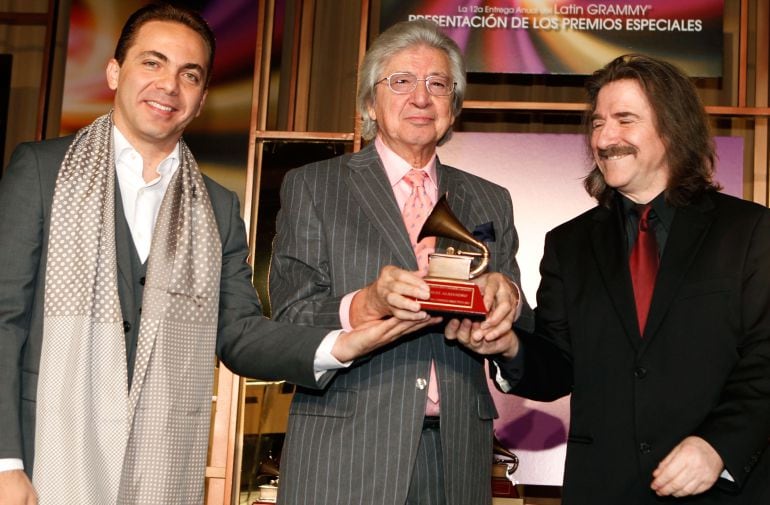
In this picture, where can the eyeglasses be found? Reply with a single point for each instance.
(402, 83)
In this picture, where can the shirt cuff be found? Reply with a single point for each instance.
(8, 464)
(345, 303)
(505, 386)
(519, 303)
(726, 475)
(324, 360)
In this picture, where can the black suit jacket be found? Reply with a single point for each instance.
(248, 343)
(701, 368)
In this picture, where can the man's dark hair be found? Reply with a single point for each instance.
(680, 120)
(166, 12)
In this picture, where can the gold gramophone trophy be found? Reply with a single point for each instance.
(450, 273)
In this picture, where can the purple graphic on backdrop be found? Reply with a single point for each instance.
(572, 36)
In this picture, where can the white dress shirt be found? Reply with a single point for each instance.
(141, 200)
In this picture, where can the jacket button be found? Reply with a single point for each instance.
(645, 448)
(640, 372)
(421, 383)
(141, 281)
(126, 326)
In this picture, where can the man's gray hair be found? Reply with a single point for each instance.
(401, 36)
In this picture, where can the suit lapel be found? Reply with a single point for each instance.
(370, 187)
(685, 238)
(123, 245)
(607, 242)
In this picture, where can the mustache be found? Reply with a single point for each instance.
(616, 150)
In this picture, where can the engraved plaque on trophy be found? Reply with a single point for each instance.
(450, 273)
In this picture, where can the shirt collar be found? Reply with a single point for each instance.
(124, 149)
(664, 212)
(396, 167)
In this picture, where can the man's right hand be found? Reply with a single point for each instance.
(396, 293)
(16, 489)
(373, 335)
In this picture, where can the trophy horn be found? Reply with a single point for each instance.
(442, 222)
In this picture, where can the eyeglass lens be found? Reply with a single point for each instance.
(404, 82)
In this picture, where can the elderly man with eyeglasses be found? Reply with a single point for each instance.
(406, 418)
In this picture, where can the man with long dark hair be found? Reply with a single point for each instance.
(654, 308)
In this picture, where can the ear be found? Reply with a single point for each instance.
(371, 111)
(113, 73)
(200, 104)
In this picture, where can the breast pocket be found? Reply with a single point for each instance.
(330, 403)
(704, 287)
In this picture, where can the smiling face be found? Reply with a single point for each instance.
(625, 142)
(160, 87)
(412, 124)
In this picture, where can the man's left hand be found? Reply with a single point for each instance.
(493, 335)
(692, 467)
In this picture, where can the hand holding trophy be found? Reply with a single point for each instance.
(450, 273)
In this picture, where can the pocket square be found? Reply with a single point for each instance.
(485, 232)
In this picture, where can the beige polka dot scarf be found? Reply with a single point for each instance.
(96, 442)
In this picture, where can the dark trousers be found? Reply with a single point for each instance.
(427, 485)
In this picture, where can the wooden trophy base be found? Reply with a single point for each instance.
(455, 297)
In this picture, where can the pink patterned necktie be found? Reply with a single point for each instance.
(416, 210)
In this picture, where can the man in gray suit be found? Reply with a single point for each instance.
(344, 255)
(111, 402)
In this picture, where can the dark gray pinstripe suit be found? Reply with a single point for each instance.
(355, 441)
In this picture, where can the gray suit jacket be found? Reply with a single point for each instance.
(356, 441)
(248, 343)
